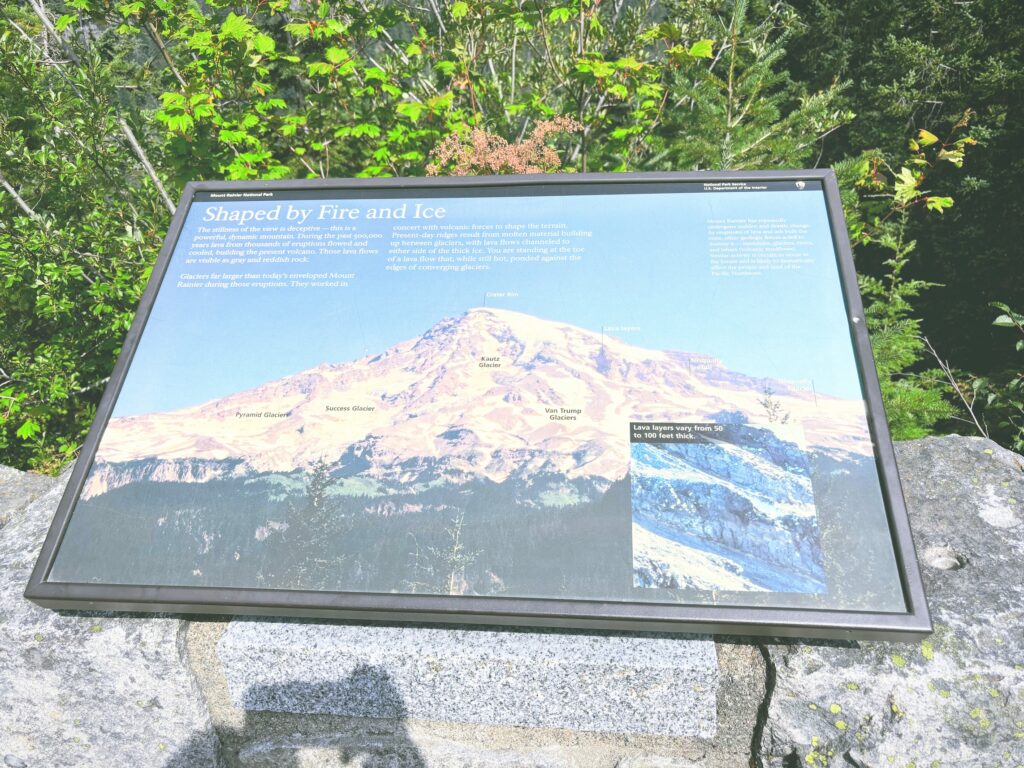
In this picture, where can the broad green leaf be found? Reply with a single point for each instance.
(596, 67)
(129, 9)
(669, 31)
(319, 68)
(300, 31)
(232, 137)
(678, 54)
(410, 109)
(27, 430)
(179, 123)
(926, 138)
(702, 49)
(336, 55)
(234, 27)
(366, 129)
(203, 110)
(201, 41)
(522, 23)
(619, 91)
(559, 15)
(459, 10)
(1009, 317)
(263, 43)
(172, 99)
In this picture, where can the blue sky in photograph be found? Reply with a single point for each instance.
(646, 266)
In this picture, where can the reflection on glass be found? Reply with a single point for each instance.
(627, 397)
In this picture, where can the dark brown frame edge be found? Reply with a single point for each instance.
(914, 624)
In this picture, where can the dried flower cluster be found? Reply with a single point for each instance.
(483, 153)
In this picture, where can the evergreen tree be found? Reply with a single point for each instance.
(442, 569)
(742, 109)
(312, 541)
(920, 65)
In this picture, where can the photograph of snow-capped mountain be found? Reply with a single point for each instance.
(494, 406)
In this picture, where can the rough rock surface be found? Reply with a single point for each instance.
(98, 690)
(956, 699)
(656, 684)
(86, 690)
(254, 738)
(18, 490)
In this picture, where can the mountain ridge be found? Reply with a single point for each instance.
(490, 393)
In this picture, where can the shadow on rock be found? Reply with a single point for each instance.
(368, 692)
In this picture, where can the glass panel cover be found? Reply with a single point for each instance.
(643, 394)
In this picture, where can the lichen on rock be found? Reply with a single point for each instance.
(956, 698)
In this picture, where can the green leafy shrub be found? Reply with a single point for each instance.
(995, 402)
(880, 202)
(81, 225)
(912, 65)
(1004, 393)
(107, 108)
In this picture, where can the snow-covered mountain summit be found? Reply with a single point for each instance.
(489, 394)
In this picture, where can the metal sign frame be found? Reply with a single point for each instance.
(914, 623)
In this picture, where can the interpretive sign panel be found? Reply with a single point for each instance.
(616, 401)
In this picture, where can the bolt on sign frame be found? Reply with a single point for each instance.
(597, 401)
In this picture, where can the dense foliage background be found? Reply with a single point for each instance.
(108, 107)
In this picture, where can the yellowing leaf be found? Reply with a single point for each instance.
(905, 186)
(938, 203)
(925, 138)
(956, 157)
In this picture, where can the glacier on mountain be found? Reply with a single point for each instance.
(432, 410)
